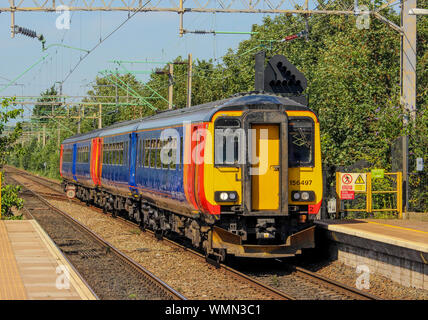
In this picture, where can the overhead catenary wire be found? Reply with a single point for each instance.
(99, 43)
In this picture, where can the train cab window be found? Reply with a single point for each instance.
(228, 140)
(301, 142)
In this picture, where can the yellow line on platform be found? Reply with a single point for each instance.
(392, 226)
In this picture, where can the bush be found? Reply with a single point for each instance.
(9, 199)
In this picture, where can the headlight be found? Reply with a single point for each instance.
(226, 196)
(303, 196)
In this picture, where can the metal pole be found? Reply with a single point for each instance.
(408, 58)
(189, 81)
(170, 85)
(408, 84)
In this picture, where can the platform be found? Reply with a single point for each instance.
(397, 249)
(33, 268)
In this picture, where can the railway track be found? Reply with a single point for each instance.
(290, 281)
(110, 273)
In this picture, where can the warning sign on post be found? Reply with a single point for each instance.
(347, 195)
(351, 183)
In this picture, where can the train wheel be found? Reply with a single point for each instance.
(71, 193)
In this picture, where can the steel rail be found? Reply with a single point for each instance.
(236, 274)
(333, 284)
(152, 280)
(301, 272)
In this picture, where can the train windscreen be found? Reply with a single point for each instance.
(300, 142)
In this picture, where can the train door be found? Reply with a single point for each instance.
(265, 167)
(74, 161)
(265, 184)
(132, 156)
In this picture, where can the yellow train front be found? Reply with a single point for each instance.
(262, 170)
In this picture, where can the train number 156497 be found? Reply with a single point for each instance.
(300, 182)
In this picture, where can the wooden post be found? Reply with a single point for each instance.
(170, 85)
(100, 119)
(44, 135)
(78, 122)
(189, 81)
(59, 136)
(337, 195)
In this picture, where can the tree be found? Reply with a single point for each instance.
(8, 139)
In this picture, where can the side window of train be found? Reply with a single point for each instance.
(110, 154)
(181, 152)
(172, 153)
(120, 150)
(163, 145)
(153, 153)
(139, 161)
(113, 154)
(158, 159)
(147, 153)
(125, 154)
(141, 153)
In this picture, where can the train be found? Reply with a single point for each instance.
(238, 177)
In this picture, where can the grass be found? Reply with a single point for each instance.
(136, 231)
(132, 296)
(275, 280)
(20, 217)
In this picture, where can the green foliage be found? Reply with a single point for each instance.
(353, 86)
(9, 199)
(8, 139)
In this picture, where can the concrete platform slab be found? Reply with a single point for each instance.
(32, 267)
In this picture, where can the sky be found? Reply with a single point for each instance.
(151, 36)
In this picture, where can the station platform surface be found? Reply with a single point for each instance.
(33, 268)
(409, 234)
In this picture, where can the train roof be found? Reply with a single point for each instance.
(199, 113)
